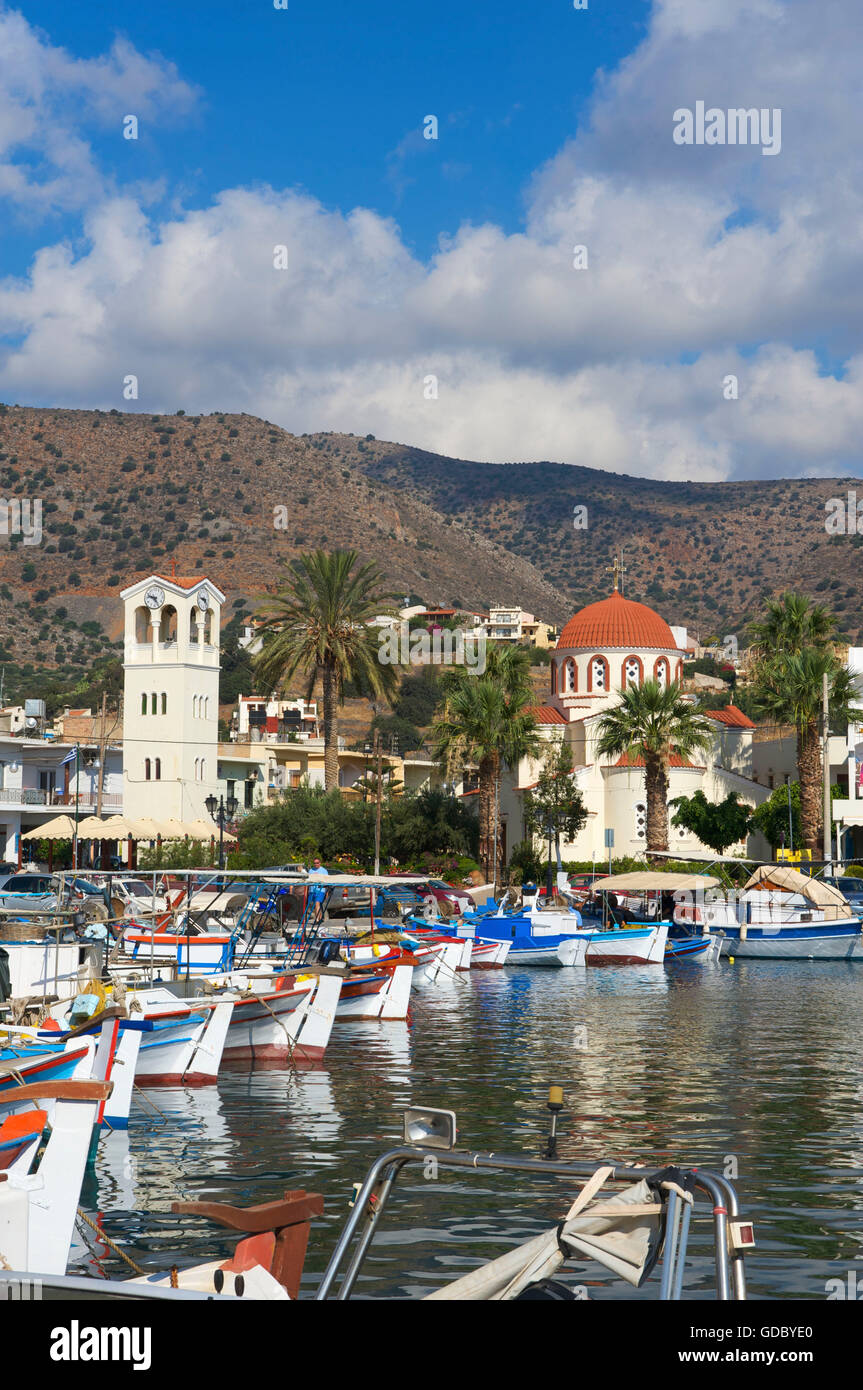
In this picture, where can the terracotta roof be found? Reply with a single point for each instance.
(182, 581)
(616, 622)
(546, 714)
(675, 760)
(732, 716)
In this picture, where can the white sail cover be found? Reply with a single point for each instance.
(621, 1238)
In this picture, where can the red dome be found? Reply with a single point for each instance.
(616, 622)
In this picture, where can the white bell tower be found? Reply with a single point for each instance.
(171, 704)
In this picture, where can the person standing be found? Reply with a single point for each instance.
(318, 893)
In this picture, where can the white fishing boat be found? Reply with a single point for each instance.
(780, 914)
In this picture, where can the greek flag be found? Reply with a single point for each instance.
(70, 757)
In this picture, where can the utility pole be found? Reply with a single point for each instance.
(378, 806)
(825, 754)
(103, 743)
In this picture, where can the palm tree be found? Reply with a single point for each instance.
(652, 722)
(789, 688)
(486, 719)
(794, 650)
(790, 623)
(317, 624)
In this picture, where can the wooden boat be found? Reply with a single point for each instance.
(37, 1212)
(780, 914)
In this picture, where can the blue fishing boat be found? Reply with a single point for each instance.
(780, 914)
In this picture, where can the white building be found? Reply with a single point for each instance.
(171, 696)
(512, 624)
(605, 647)
(37, 783)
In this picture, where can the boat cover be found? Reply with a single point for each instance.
(624, 1238)
(789, 880)
(645, 880)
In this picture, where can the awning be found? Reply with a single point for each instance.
(102, 828)
(651, 881)
(198, 830)
(58, 828)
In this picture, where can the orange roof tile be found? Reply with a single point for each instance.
(674, 760)
(732, 716)
(546, 714)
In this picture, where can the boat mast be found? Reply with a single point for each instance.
(825, 754)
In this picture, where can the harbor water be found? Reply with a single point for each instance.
(752, 1068)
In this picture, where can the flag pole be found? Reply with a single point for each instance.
(77, 810)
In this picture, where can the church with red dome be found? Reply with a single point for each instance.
(604, 648)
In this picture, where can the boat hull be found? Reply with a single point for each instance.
(801, 943)
(295, 1022)
(627, 946)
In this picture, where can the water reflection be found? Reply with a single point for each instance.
(756, 1064)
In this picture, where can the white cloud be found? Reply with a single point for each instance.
(46, 96)
(702, 262)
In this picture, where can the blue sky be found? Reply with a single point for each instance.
(330, 96)
(451, 261)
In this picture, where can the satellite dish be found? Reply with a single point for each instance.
(31, 722)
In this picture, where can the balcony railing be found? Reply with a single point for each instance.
(35, 796)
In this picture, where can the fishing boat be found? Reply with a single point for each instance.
(780, 914)
(547, 937)
(184, 1041)
(104, 1050)
(38, 1209)
(646, 899)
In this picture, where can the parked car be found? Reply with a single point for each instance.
(43, 892)
(391, 902)
(348, 900)
(136, 896)
(581, 885)
(458, 898)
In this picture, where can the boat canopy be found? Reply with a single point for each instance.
(788, 880)
(622, 1233)
(646, 881)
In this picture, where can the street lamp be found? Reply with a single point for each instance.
(367, 752)
(221, 812)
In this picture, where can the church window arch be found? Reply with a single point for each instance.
(632, 672)
(554, 678)
(164, 702)
(661, 672)
(153, 704)
(597, 674)
(570, 677)
(144, 703)
(146, 769)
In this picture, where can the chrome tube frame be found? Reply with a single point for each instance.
(384, 1172)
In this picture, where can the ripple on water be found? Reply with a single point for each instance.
(754, 1067)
